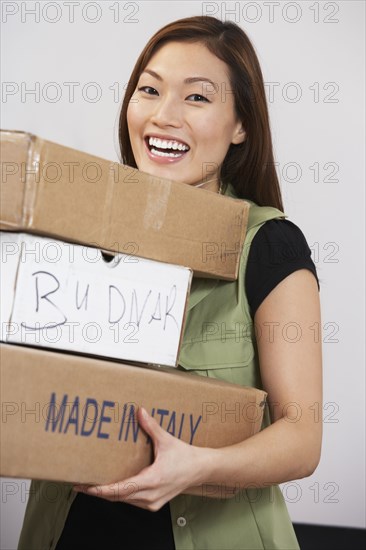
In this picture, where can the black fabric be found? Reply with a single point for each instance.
(94, 523)
(278, 249)
(329, 537)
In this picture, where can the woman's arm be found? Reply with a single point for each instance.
(291, 368)
(289, 449)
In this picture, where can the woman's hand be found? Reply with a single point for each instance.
(176, 467)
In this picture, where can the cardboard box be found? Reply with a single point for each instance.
(72, 418)
(57, 191)
(68, 297)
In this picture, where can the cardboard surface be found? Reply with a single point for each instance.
(64, 296)
(72, 418)
(54, 190)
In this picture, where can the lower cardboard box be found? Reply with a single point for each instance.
(73, 418)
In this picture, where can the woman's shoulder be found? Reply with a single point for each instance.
(283, 237)
(278, 249)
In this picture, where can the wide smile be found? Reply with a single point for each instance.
(165, 151)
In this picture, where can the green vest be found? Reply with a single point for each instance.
(219, 343)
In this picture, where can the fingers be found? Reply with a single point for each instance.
(129, 492)
(122, 491)
(151, 426)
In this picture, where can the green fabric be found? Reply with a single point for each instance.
(218, 342)
(45, 516)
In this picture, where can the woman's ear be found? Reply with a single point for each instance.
(239, 134)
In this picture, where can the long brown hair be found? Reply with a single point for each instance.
(248, 166)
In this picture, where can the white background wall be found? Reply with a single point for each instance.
(312, 56)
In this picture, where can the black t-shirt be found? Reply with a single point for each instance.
(278, 249)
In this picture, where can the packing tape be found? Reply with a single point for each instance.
(31, 179)
(156, 204)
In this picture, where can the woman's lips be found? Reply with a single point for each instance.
(164, 160)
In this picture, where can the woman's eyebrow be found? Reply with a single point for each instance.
(189, 80)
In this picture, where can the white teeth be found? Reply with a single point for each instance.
(165, 144)
(162, 154)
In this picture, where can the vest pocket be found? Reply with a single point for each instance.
(232, 360)
(229, 352)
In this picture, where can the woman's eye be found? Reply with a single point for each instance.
(201, 97)
(148, 89)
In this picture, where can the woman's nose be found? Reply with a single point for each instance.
(167, 113)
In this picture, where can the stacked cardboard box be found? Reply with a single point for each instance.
(56, 191)
(64, 414)
(64, 296)
(70, 418)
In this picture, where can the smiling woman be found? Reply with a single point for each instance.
(195, 111)
(190, 108)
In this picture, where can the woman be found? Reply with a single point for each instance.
(195, 111)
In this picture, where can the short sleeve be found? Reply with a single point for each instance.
(278, 249)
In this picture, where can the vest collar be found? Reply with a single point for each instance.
(200, 288)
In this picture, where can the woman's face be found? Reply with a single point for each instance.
(180, 123)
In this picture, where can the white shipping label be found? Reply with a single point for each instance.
(59, 295)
